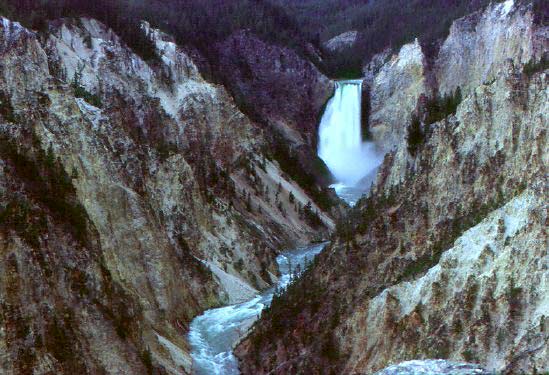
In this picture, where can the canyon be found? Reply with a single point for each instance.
(135, 195)
(154, 209)
(447, 256)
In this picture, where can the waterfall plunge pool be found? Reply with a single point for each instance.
(352, 162)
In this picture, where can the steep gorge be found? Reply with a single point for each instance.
(170, 203)
(447, 257)
(135, 194)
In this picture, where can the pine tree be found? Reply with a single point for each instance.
(415, 135)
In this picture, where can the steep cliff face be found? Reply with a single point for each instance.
(282, 90)
(288, 91)
(480, 44)
(477, 48)
(485, 301)
(394, 93)
(61, 309)
(166, 177)
(446, 258)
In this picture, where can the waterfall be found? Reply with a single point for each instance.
(340, 146)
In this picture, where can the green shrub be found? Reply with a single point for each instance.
(239, 265)
(416, 135)
(146, 358)
(81, 92)
(291, 197)
(28, 223)
(330, 349)
(438, 108)
(6, 109)
(532, 66)
(311, 216)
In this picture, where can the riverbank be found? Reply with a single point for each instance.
(214, 334)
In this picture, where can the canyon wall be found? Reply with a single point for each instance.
(447, 256)
(134, 195)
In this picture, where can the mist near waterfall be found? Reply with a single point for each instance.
(349, 159)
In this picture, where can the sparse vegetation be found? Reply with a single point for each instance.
(48, 185)
(416, 135)
(311, 216)
(123, 16)
(146, 358)
(81, 92)
(6, 109)
(532, 67)
(456, 229)
(291, 197)
(289, 163)
(438, 108)
(239, 265)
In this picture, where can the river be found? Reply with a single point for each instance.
(214, 333)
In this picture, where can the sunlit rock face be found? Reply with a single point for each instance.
(479, 45)
(183, 210)
(394, 93)
(484, 301)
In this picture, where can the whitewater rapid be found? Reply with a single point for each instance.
(351, 161)
(213, 334)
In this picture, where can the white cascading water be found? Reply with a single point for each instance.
(214, 333)
(340, 144)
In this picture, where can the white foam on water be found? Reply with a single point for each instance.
(214, 333)
(341, 147)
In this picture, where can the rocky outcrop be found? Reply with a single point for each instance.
(372, 68)
(479, 45)
(445, 258)
(342, 41)
(477, 303)
(167, 177)
(394, 94)
(477, 48)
